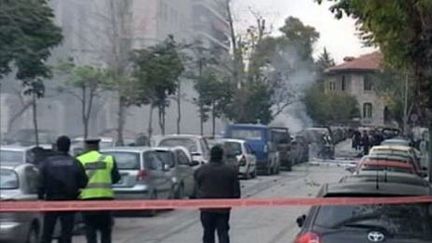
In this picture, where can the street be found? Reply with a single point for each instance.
(247, 225)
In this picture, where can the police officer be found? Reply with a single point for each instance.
(61, 178)
(216, 180)
(102, 172)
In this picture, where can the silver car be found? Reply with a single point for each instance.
(143, 174)
(181, 169)
(241, 152)
(19, 182)
(197, 145)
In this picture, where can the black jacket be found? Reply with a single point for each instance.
(61, 178)
(217, 180)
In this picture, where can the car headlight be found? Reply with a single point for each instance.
(8, 225)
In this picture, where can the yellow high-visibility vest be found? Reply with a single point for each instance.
(98, 168)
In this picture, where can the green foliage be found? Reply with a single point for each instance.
(326, 109)
(27, 35)
(156, 71)
(324, 62)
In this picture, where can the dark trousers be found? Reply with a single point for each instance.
(98, 222)
(215, 221)
(67, 224)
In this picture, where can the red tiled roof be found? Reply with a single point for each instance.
(368, 62)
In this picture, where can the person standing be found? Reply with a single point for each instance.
(216, 180)
(365, 143)
(102, 172)
(61, 178)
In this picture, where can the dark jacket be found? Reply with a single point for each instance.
(61, 178)
(217, 180)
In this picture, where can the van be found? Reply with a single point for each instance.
(259, 138)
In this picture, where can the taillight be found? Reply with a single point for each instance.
(308, 237)
(242, 161)
(142, 174)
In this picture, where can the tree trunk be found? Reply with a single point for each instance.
(35, 123)
(83, 111)
(213, 121)
(161, 114)
(120, 121)
(201, 120)
(150, 124)
(179, 117)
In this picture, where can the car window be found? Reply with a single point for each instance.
(187, 143)
(11, 156)
(182, 158)
(411, 220)
(153, 161)
(126, 160)
(167, 158)
(233, 148)
(248, 149)
(8, 179)
(204, 146)
(247, 134)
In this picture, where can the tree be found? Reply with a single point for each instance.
(27, 36)
(324, 62)
(332, 108)
(84, 83)
(157, 70)
(403, 31)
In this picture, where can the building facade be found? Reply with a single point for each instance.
(354, 77)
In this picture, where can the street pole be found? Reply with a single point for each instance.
(405, 120)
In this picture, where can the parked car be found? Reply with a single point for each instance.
(195, 144)
(396, 141)
(300, 148)
(283, 142)
(143, 174)
(19, 182)
(402, 152)
(259, 139)
(370, 223)
(181, 169)
(322, 144)
(19, 154)
(385, 164)
(244, 158)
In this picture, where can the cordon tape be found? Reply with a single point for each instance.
(129, 205)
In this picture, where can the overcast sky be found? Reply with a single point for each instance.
(339, 36)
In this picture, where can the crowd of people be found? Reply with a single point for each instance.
(363, 141)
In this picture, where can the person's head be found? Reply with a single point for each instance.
(91, 144)
(216, 153)
(63, 144)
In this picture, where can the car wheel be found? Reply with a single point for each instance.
(33, 234)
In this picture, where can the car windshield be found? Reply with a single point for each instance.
(12, 156)
(413, 220)
(248, 134)
(8, 179)
(233, 148)
(126, 160)
(187, 143)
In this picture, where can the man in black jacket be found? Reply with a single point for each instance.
(61, 178)
(216, 180)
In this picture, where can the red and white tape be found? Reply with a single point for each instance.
(127, 205)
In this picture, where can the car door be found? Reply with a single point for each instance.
(159, 178)
(185, 171)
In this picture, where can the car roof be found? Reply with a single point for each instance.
(392, 147)
(14, 148)
(13, 166)
(386, 177)
(180, 136)
(368, 188)
(231, 140)
(103, 139)
(241, 125)
(127, 149)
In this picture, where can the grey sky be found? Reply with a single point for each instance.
(339, 36)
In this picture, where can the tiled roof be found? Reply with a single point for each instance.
(368, 62)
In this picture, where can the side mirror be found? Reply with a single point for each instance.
(300, 220)
(194, 163)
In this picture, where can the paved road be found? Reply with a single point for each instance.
(272, 225)
(247, 225)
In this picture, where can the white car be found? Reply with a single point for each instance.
(195, 144)
(18, 154)
(245, 159)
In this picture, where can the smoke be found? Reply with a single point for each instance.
(296, 75)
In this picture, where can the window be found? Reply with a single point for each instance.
(367, 83)
(8, 179)
(126, 160)
(248, 149)
(182, 158)
(247, 134)
(153, 161)
(343, 82)
(31, 175)
(367, 110)
(332, 86)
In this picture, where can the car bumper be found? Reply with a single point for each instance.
(12, 231)
(136, 192)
